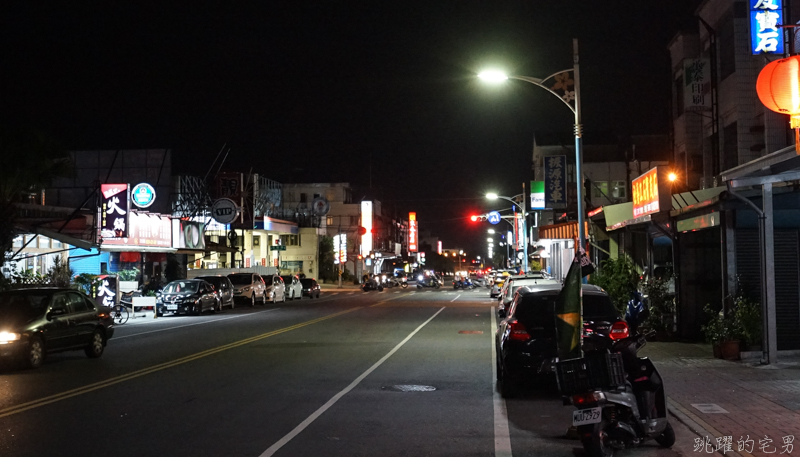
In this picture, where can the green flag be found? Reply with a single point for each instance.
(568, 314)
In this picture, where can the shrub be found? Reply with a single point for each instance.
(660, 304)
(619, 278)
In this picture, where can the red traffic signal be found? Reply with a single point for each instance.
(362, 230)
(476, 218)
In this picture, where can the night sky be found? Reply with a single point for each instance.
(326, 91)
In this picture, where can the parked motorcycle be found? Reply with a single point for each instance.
(372, 284)
(620, 397)
(463, 283)
(395, 281)
(428, 281)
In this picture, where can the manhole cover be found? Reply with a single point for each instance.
(471, 332)
(709, 408)
(409, 388)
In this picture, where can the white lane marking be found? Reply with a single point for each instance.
(289, 436)
(502, 435)
(351, 293)
(397, 291)
(455, 298)
(189, 325)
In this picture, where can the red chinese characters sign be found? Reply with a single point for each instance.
(114, 211)
(649, 193)
(146, 230)
(413, 234)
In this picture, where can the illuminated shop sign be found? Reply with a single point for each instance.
(413, 233)
(339, 249)
(143, 195)
(650, 193)
(188, 234)
(537, 195)
(366, 222)
(114, 209)
(766, 19)
(146, 230)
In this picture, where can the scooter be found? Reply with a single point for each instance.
(622, 407)
(372, 284)
(430, 281)
(463, 283)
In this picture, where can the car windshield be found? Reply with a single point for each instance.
(538, 310)
(240, 279)
(26, 305)
(215, 280)
(287, 279)
(598, 307)
(181, 287)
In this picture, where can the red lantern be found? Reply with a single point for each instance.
(778, 87)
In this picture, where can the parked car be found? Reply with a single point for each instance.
(526, 337)
(275, 288)
(188, 296)
(39, 321)
(311, 288)
(248, 288)
(514, 283)
(223, 288)
(294, 288)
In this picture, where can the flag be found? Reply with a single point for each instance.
(568, 314)
(587, 266)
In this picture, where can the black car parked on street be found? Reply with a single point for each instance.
(223, 288)
(38, 321)
(526, 336)
(189, 296)
(311, 288)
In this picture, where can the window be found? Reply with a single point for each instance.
(55, 243)
(620, 189)
(329, 220)
(290, 240)
(18, 241)
(599, 189)
(303, 198)
(77, 303)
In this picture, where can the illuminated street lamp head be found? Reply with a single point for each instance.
(672, 177)
(491, 231)
(494, 76)
(489, 240)
(491, 196)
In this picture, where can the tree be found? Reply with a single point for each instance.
(35, 161)
(327, 271)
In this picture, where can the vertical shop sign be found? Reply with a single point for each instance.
(537, 195)
(555, 178)
(413, 233)
(114, 210)
(697, 85)
(107, 290)
(766, 19)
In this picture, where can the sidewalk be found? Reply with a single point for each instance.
(743, 403)
(348, 285)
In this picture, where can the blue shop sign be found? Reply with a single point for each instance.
(766, 19)
(143, 195)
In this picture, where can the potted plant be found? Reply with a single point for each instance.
(723, 332)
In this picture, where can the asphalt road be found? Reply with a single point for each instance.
(349, 374)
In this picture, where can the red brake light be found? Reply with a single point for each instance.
(517, 332)
(619, 330)
(587, 398)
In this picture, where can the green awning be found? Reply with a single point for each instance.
(616, 215)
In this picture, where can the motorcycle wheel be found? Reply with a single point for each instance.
(380, 288)
(666, 438)
(437, 285)
(364, 288)
(595, 439)
(419, 286)
(405, 285)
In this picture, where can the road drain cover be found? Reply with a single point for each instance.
(409, 388)
(471, 332)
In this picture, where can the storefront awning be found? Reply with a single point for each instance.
(617, 215)
(565, 231)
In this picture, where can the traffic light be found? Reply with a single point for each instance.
(477, 217)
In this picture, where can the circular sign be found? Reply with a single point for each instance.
(493, 218)
(224, 211)
(143, 195)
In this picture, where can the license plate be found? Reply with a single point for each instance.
(172, 307)
(587, 416)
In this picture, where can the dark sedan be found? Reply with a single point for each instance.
(311, 288)
(189, 296)
(526, 337)
(35, 322)
(223, 288)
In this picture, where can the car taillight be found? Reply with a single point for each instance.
(619, 330)
(517, 331)
(587, 398)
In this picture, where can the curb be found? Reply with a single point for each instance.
(698, 426)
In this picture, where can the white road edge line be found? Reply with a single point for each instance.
(502, 435)
(289, 436)
(189, 325)
(451, 301)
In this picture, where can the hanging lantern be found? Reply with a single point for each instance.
(778, 88)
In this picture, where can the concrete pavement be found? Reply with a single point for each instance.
(745, 409)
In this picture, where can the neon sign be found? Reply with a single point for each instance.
(650, 193)
(413, 234)
(766, 19)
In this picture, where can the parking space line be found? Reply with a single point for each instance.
(189, 325)
(502, 435)
(303, 425)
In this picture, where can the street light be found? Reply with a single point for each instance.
(524, 234)
(490, 231)
(495, 76)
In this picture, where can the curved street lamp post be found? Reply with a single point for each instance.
(496, 76)
(524, 234)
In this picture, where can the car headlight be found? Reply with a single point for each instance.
(245, 289)
(419, 278)
(7, 337)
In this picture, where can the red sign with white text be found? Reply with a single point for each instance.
(646, 194)
(413, 234)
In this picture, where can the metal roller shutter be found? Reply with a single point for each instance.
(787, 292)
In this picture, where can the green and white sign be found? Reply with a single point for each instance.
(278, 247)
(143, 195)
(537, 194)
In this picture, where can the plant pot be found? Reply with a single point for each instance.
(729, 350)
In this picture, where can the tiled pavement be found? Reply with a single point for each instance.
(754, 403)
